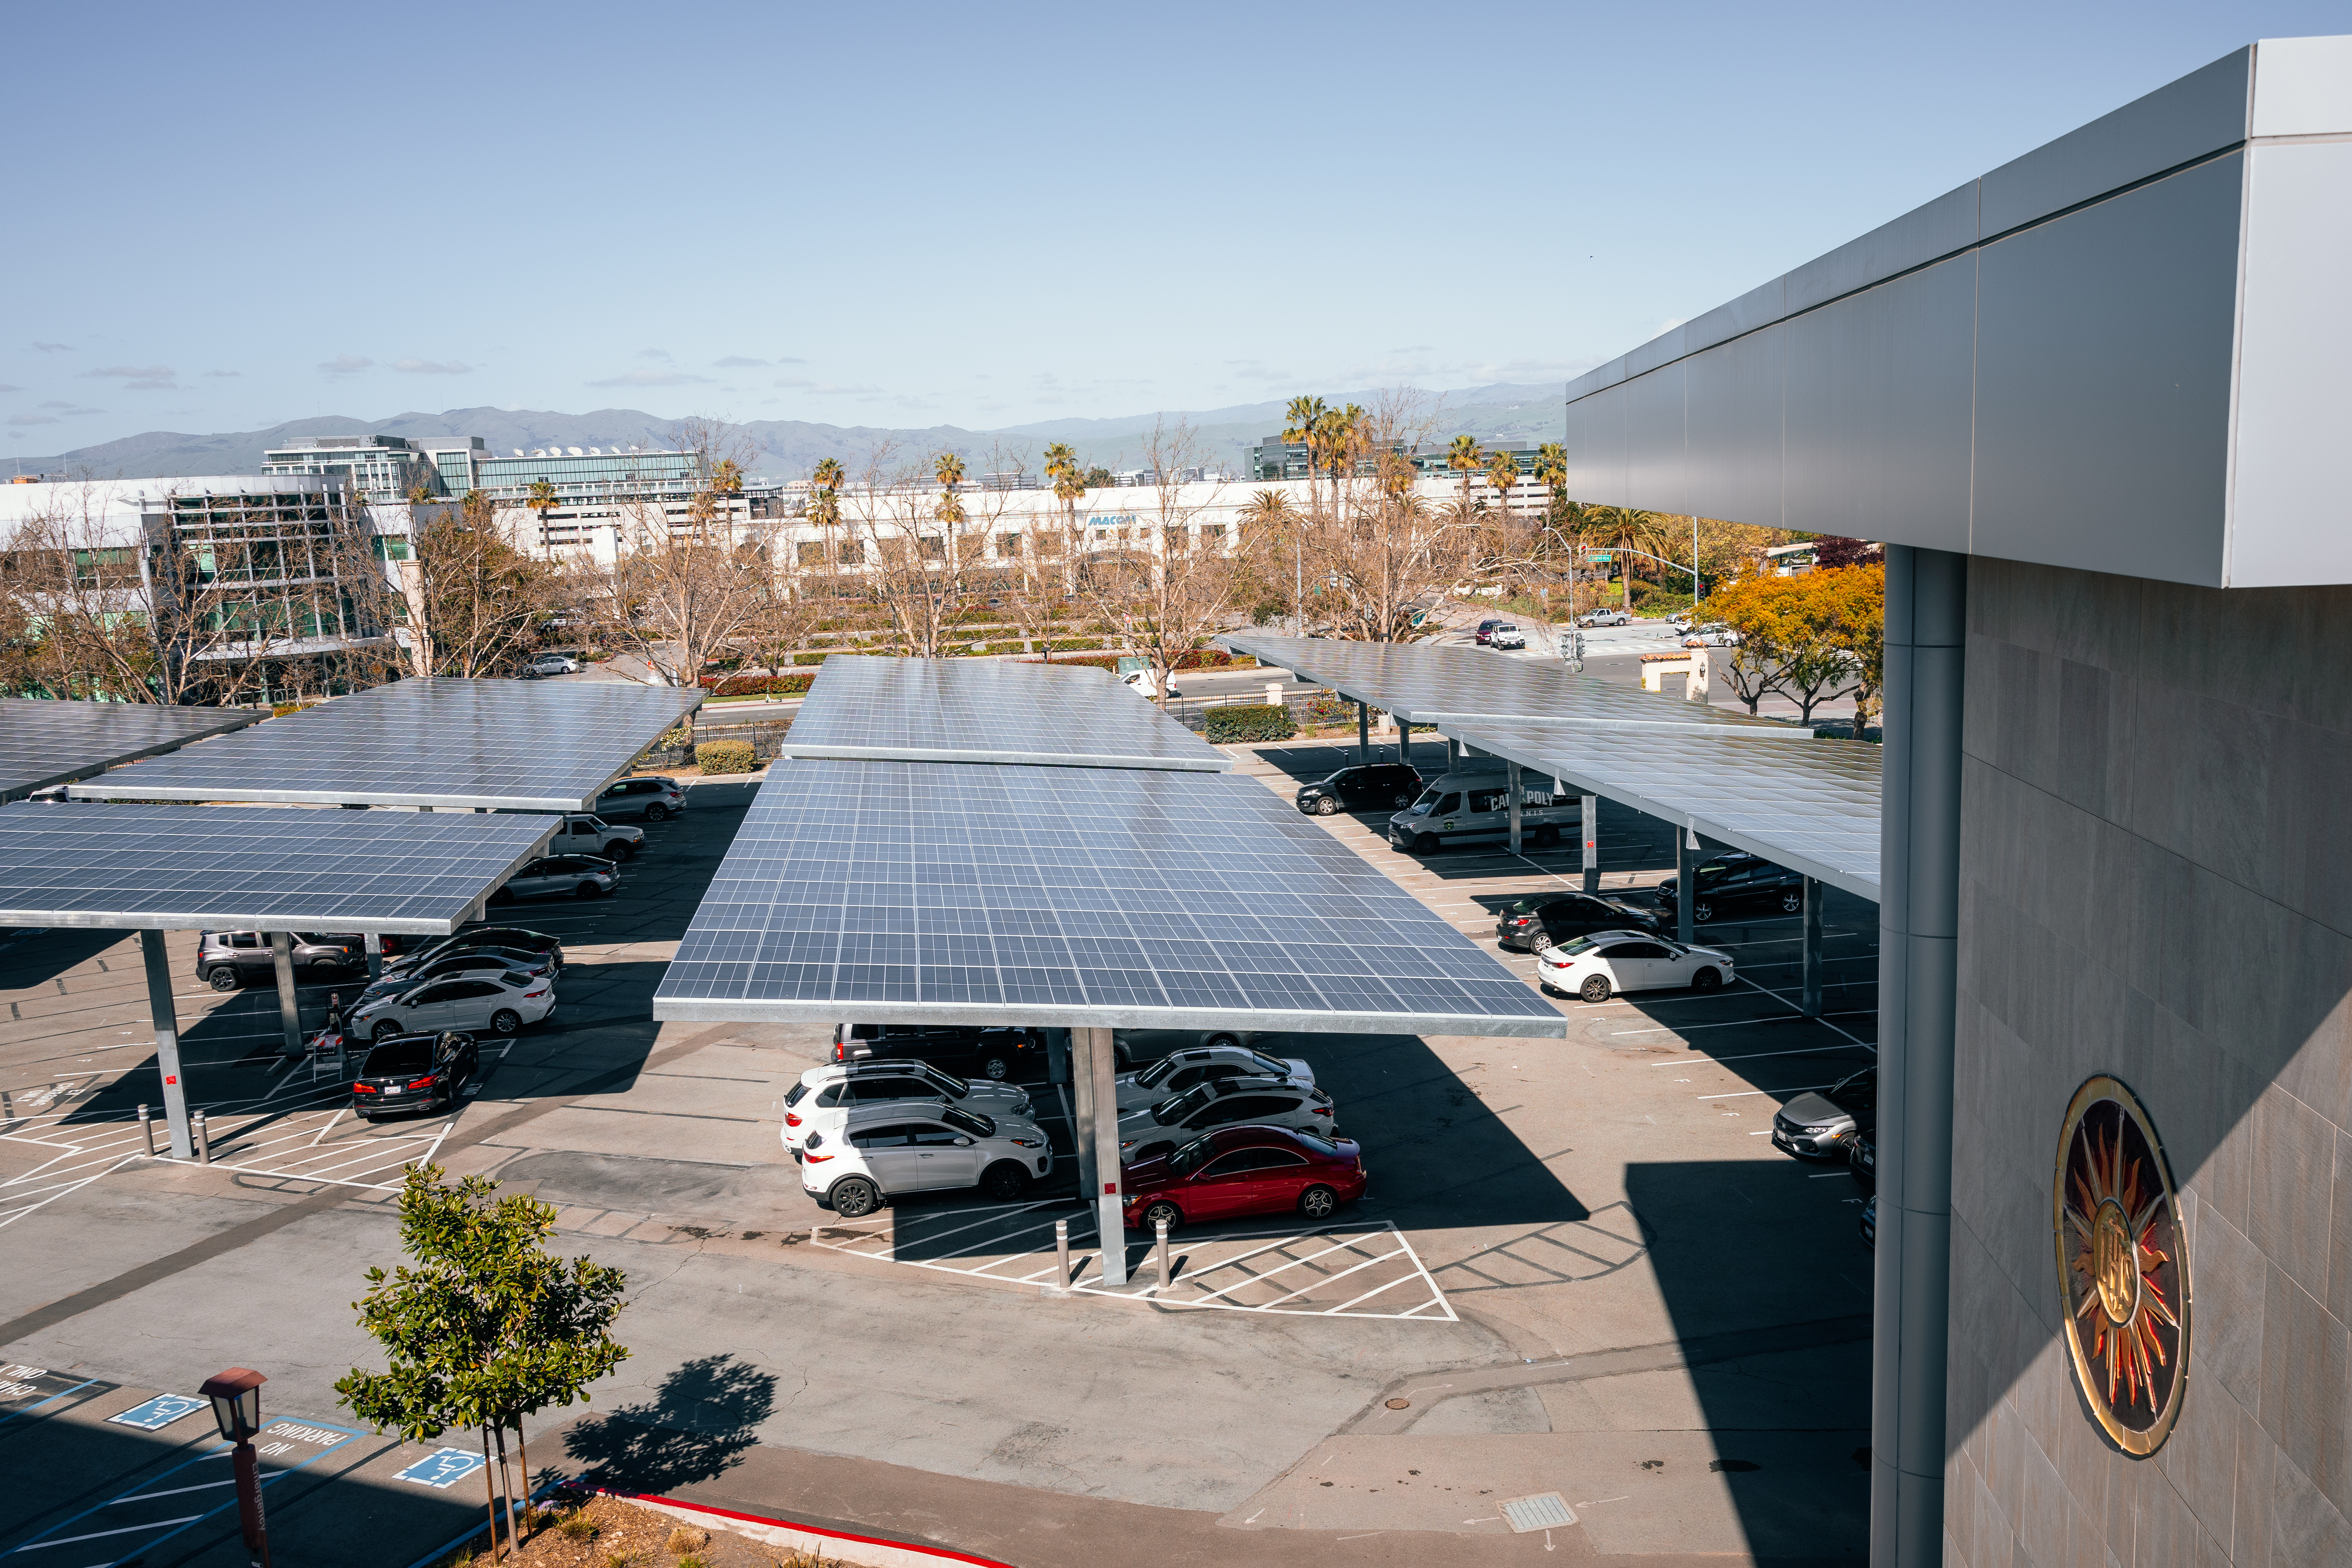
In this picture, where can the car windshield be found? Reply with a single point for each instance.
(1428, 798)
(1156, 1073)
(1269, 1065)
(1577, 948)
(1177, 1107)
(968, 1123)
(1856, 1092)
(1320, 1145)
(398, 1057)
(1189, 1158)
(946, 1080)
(797, 1093)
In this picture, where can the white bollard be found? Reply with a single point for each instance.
(1062, 1254)
(147, 1130)
(204, 1142)
(1160, 1228)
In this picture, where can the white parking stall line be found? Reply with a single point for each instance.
(10, 1216)
(1315, 1284)
(1245, 1282)
(1341, 1309)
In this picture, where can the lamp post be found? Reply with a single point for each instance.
(237, 1410)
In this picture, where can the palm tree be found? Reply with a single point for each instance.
(1627, 528)
(1304, 414)
(1466, 458)
(949, 469)
(1551, 469)
(1502, 473)
(542, 500)
(824, 500)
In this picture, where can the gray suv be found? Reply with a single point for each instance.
(561, 876)
(651, 798)
(227, 959)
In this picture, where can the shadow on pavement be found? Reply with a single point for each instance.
(697, 1425)
(31, 958)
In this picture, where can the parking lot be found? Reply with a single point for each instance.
(1550, 1205)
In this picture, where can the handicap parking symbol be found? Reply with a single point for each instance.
(443, 1468)
(158, 1412)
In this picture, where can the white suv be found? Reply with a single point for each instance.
(1179, 1070)
(499, 1003)
(885, 1151)
(823, 1100)
(1250, 1101)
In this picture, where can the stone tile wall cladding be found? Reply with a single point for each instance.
(2157, 854)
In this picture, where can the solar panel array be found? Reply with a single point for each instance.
(45, 742)
(1424, 684)
(920, 892)
(525, 745)
(178, 868)
(988, 710)
(1812, 807)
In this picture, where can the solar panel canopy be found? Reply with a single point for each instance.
(988, 710)
(520, 745)
(45, 742)
(1812, 807)
(888, 891)
(181, 868)
(1422, 683)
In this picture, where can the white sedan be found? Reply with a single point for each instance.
(1716, 635)
(499, 1003)
(1606, 962)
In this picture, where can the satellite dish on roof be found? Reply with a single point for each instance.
(518, 451)
(595, 451)
(575, 451)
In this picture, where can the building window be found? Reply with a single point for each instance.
(812, 552)
(1008, 546)
(931, 547)
(853, 552)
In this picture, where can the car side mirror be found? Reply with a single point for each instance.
(963, 1142)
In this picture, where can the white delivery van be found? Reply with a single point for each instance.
(1474, 807)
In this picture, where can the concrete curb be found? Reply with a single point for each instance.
(871, 1552)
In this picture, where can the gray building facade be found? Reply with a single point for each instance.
(2095, 403)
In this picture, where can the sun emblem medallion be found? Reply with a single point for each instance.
(2123, 1265)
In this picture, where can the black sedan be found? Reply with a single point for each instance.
(477, 939)
(1553, 918)
(1382, 783)
(414, 1072)
(1733, 881)
(994, 1054)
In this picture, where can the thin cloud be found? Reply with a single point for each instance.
(55, 348)
(10, 389)
(30, 419)
(135, 372)
(70, 410)
(737, 361)
(661, 354)
(650, 378)
(801, 384)
(346, 364)
(224, 374)
(432, 366)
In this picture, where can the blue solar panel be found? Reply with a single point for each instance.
(181, 868)
(520, 745)
(46, 742)
(916, 893)
(988, 710)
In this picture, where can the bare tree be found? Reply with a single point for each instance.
(1379, 552)
(1168, 598)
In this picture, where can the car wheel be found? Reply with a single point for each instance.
(1547, 836)
(1595, 988)
(505, 1021)
(384, 1029)
(1701, 913)
(1402, 799)
(587, 891)
(657, 812)
(996, 1070)
(1228, 1042)
(1318, 1202)
(854, 1197)
(620, 851)
(1004, 1181)
(221, 978)
(1707, 980)
(1154, 1213)
(1424, 844)
(1327, 806)
(1792, 902)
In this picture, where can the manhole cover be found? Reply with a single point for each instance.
(1400, 1403)
(1545, 1511)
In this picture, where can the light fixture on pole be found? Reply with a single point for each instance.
(235, 1395)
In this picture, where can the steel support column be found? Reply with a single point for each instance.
(376, 956)
(1685, 891)
(1081, 1107)
(1588, 824)
(1813, 947)
(1404, 742)
(1105, 1190)
(167, 1041)
(1363, 734)
(1511, 771)
(289, 1009)
(1918, 919)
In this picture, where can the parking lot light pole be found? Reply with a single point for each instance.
(235, 1395)
(167, 1041)
(1110, 1223)
(1813, 947)
(1686, 895)
(1588, 820)
(289, 1011)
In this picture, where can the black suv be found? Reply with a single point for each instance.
(994, 1054)
(1735, 880)
(1382, 783)
(1554, 918)
(413, 1072)
(227, 959)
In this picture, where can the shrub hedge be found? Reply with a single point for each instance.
(724, 757)
(757, 685)
(1251, 722)
(1204, 658)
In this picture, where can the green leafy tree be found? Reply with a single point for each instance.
(1100, 477)
(1466, 458)
(486, 1329)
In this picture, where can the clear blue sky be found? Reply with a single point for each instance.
(224, 216)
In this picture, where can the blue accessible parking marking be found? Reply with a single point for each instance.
(158, 1412)
(442, 1468)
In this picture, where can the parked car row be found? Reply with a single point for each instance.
(1500, 634)
(1212, 1129)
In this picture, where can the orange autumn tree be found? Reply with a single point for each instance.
(1811, 637)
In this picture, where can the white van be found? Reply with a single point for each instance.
(1474, 807)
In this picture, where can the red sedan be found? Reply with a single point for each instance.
(1238, 1171)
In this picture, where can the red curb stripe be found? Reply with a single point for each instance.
(939, 1551)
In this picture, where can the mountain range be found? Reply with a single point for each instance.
(1503, 413)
